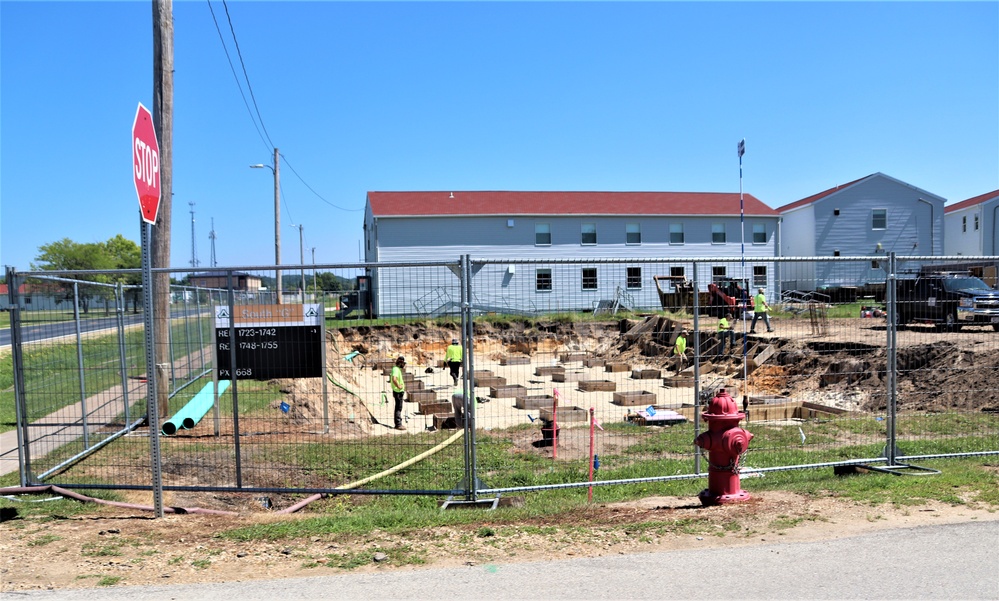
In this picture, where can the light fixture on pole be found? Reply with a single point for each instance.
(276, 170)
(315, 289)
(301, 258)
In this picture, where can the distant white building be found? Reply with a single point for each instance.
(970, 226)
(871, 216)
(511, 226)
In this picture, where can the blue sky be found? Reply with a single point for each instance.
(479, 96)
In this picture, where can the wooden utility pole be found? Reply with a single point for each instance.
(160, 256)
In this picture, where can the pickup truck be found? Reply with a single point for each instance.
(948, 300)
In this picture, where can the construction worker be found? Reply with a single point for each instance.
(398, 390)
(760, 309)
(680, 350)
(453, 356)
(726, 332)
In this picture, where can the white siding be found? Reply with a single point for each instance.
(968, 241)
(408, 239)
(914, 227)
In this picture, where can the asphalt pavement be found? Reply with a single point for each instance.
(954, 561)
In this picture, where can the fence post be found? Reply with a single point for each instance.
(152, 406)
(892, 329)
(201, 335)
(233, 369)
(122, 356)
(697, 367)
(79, 364)
(17, 356)
(468, 384)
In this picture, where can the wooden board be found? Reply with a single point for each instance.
(515, 360)
(646, 374)
(432, 407)
(570, 376)
(616, 367)
(547, 370)
(511, 391)
(489, 381)
(597, 385)
(565, 414)
(421, 396)
(634, 397)
(537, 401)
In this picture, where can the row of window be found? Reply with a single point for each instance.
(633, 277)
(964, 223)
(633, 233)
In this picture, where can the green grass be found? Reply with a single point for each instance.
(962, 481)
(51, 374)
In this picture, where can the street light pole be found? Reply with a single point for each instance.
(315, 289)
(276, 170)
(301, 260)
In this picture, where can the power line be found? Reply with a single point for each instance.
(236, 77)
(265, 135)
(318, 195)
(245, 75)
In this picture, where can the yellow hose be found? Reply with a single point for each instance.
(408, 462)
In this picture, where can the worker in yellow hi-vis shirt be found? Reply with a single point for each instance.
(680, 351)
(453, 356)
(398, 384)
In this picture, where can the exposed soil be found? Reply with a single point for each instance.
(115, 547)
(842, 366)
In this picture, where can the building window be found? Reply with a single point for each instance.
(879, 219)
(632, 233)
(634, 279)
(717, 233)
(676, 233)
(760, 276)
(976, 223)
(677, 272)
(589, 278)
(543, 280)
(542, 234)
(964, 223)
(589, 234)
(759, 233)
(718, 272)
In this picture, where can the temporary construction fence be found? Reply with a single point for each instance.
(569, 375)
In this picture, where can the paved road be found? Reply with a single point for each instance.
(956, 561)
(58, 329)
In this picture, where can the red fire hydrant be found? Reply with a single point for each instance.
(725, 442)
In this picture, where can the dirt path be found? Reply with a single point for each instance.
(112, 547)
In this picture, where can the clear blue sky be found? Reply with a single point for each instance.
(479, 96)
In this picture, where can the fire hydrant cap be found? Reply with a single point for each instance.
(722, 405)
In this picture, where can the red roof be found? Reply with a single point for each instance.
(819, 196)
(425, 204)
(964, 204)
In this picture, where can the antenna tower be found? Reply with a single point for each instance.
(211, 236)
(194, 244)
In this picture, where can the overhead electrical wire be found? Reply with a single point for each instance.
(246, 76)
(236, 77)
(318, 195)
(255, 116)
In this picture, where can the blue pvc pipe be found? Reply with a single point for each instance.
(195, 409)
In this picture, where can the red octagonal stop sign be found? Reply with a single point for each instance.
(146, 164)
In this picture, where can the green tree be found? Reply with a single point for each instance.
(126, 254)
(116, 253)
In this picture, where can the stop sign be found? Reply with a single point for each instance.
(146, 164)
